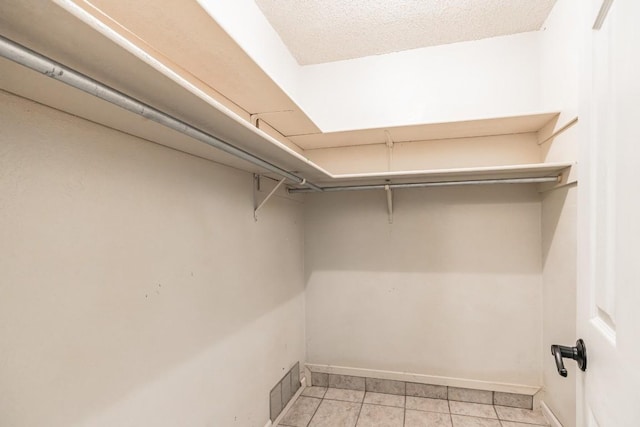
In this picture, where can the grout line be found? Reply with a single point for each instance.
(404, 411)
(325, 392)
(362, 403)
(382, 404)
(433, 412)
(314, 412)
(348, 401)
(359, 412)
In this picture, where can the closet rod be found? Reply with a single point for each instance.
(33, 60)
(433, 184)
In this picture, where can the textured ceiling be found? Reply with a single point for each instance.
(317, 31)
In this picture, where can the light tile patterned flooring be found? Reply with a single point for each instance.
(322, 407)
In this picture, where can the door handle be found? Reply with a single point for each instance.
(577, 353)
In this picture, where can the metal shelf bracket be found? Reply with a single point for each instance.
(389, 144)
(256, 189)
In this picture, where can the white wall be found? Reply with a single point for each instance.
(245, 23)
(461, 81)
(559, 299)
(485, 78)
(559, 245)
(451, 288)
(560, 50)
(136, 288)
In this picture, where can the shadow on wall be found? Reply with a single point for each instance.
(124, 261)
(476, 229)
(442, 291)
(552, 215)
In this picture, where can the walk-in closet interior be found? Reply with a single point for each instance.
(208, 220)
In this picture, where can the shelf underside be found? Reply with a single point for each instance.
(458, 174)
(174, 94)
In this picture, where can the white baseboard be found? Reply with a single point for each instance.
(425, 379)
(303, 384)
(553, 421)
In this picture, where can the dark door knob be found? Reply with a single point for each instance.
(577, 353)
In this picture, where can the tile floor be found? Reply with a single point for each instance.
(333, 407)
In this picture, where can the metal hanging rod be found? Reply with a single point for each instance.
(433, 184)
(37, 62)
(33, 60)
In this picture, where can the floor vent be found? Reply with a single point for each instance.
(282, 393)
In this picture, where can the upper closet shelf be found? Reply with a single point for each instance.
(478, 127)
(537, 170)
(86, 45)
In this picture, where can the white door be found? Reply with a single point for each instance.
(608, 393)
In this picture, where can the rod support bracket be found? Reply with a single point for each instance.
(389, 144)
(389, 192)
(256, 189)
(388, 140)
